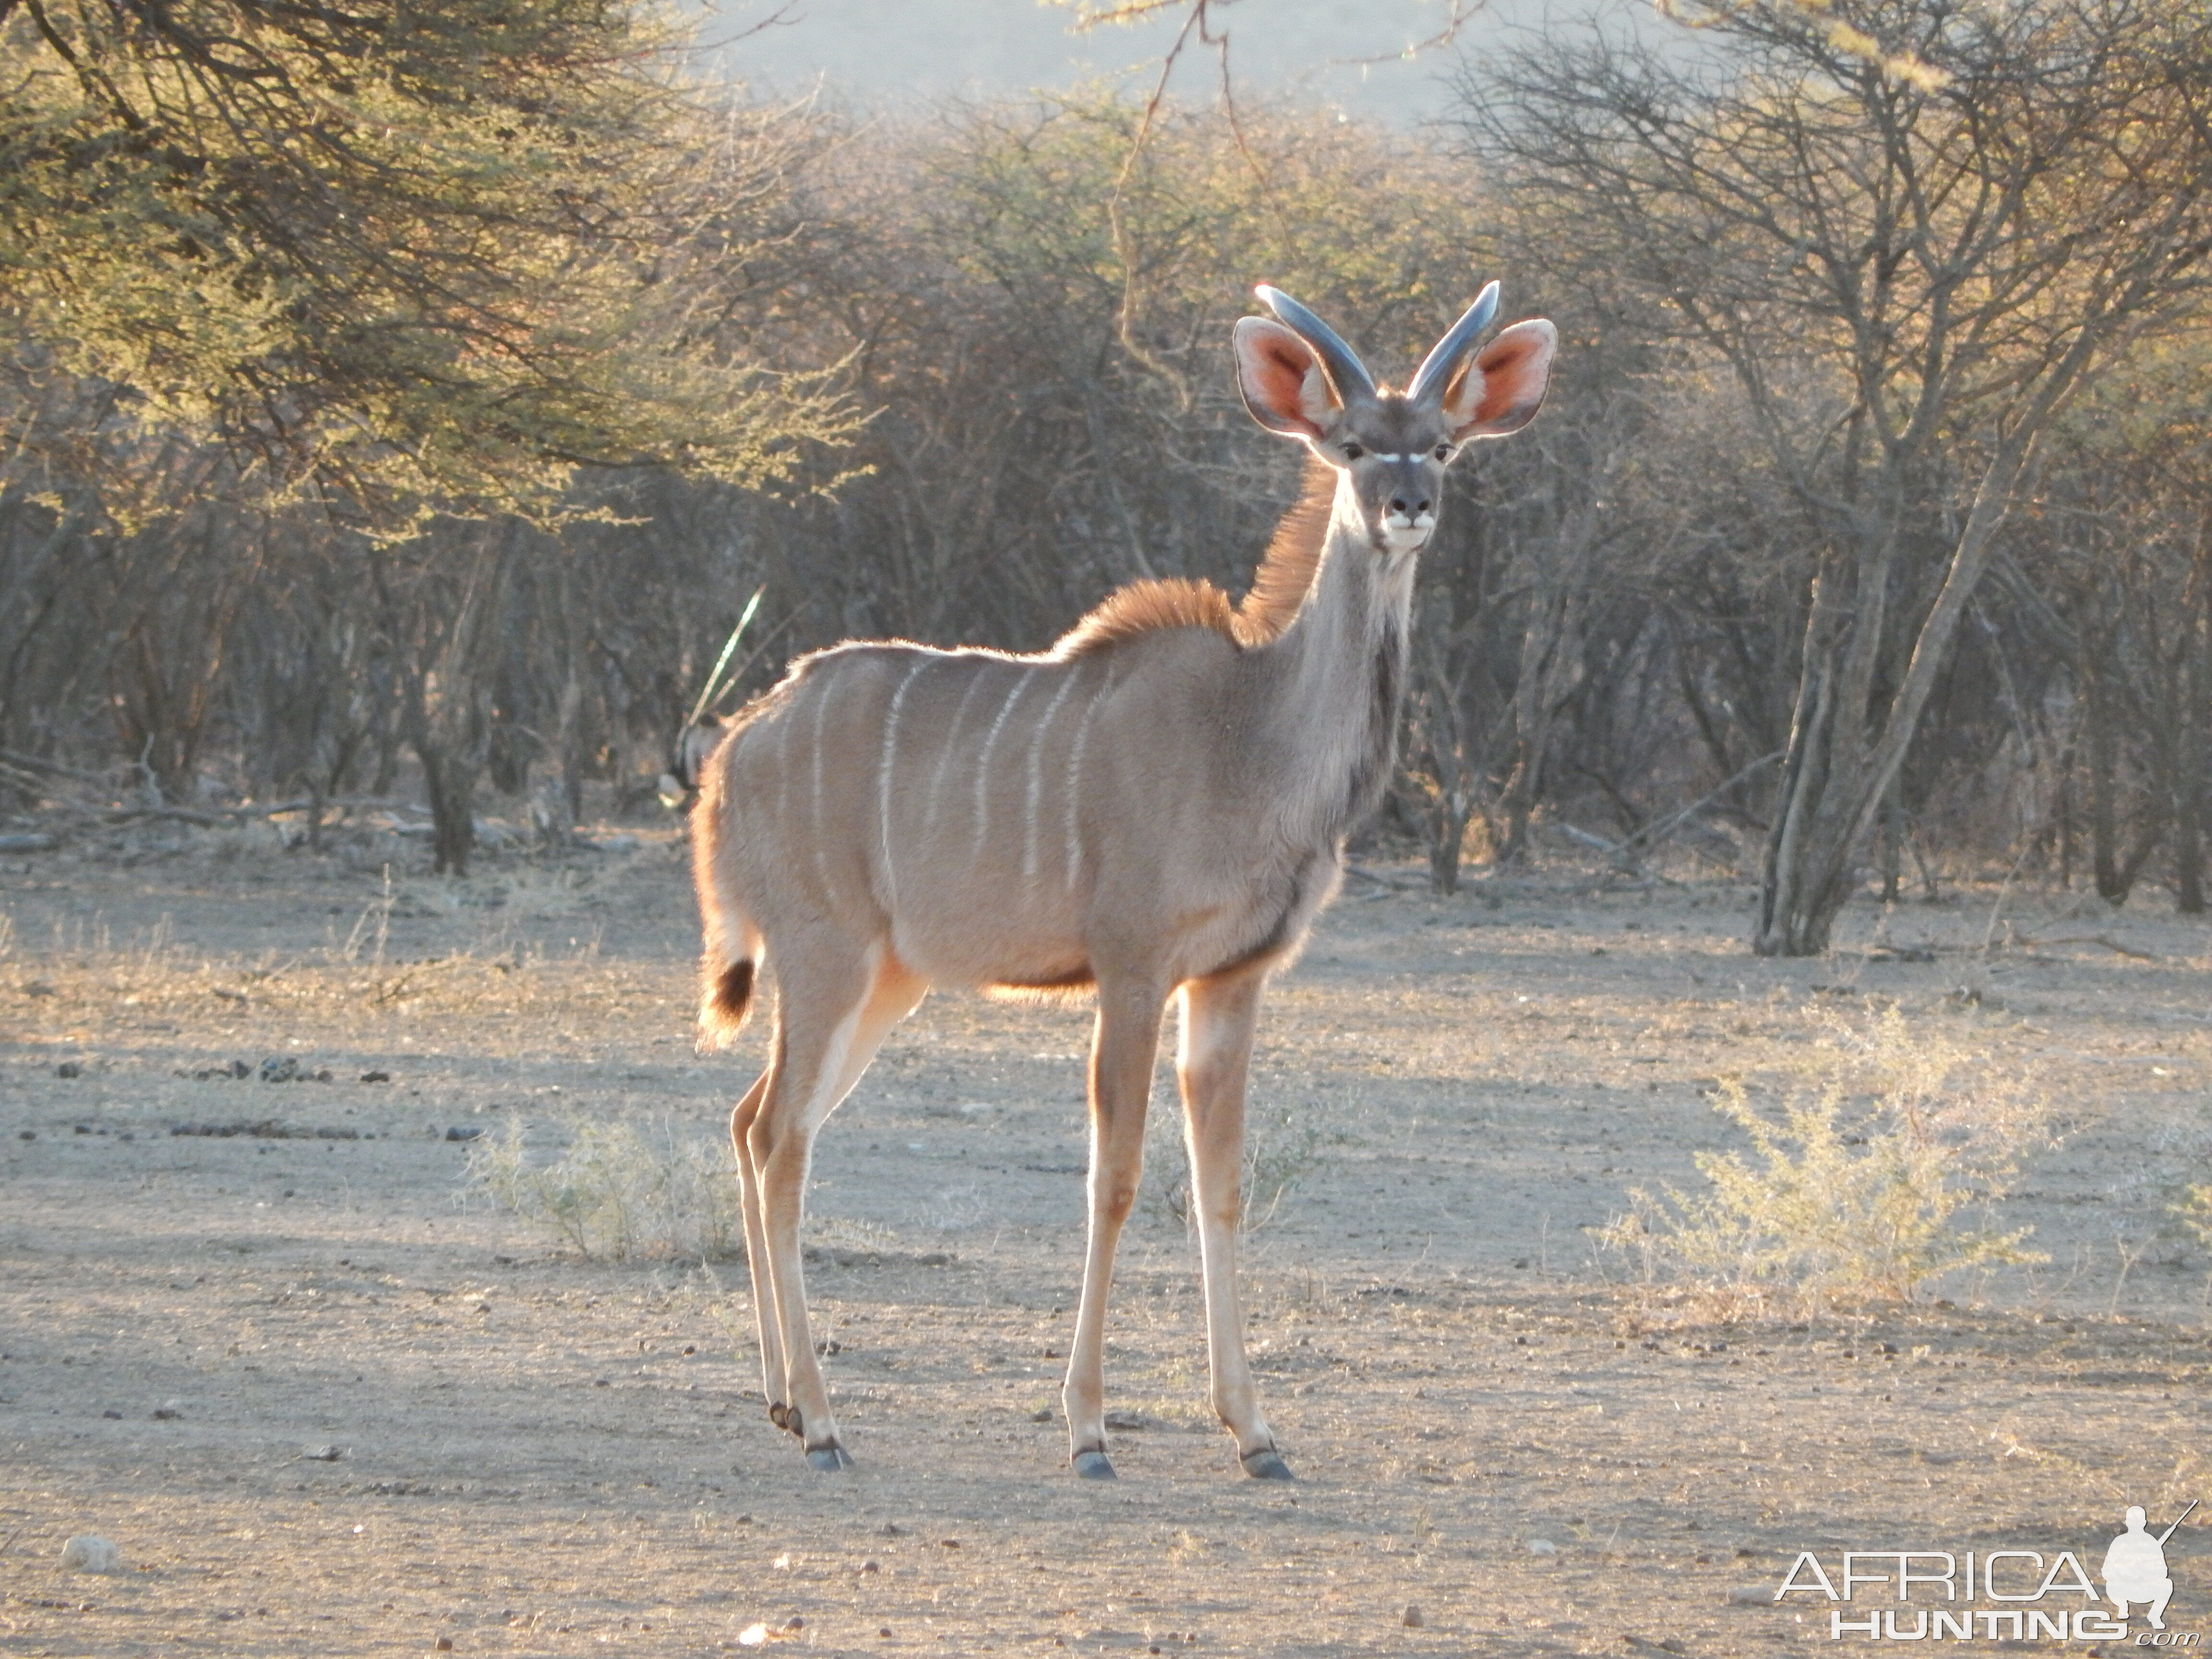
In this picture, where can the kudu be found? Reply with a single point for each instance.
(1156, 806)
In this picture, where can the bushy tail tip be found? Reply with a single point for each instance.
(729, 998)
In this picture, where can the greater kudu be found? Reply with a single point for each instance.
(1156, 806)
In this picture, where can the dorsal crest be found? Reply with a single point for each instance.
(1279, 587)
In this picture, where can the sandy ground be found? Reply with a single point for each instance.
(327, 1399)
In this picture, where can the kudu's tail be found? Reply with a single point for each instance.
(729, 970)
(728, 999)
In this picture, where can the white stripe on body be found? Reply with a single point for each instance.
(1074, 829)
(1036, 775)
(821, 823)
(983, 766)
(945, 754)
(784, 718)
(883, 785)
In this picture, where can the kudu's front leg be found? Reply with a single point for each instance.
(1122, 1051)
(1217, 1020)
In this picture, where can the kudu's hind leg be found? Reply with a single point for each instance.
(829, 1022)
(749, 1192)
(1121, 1055)
(1211, 1064)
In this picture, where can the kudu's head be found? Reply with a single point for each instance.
(1300, 380)
(687, 761)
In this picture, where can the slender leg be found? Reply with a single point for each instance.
(1217, 1019)
(830, 1020)
(1122, 1054)
(771, 1339)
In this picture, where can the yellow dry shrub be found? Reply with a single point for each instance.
(622, 1185)
(1859, 1177)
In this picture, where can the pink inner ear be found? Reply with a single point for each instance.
(1282, 378)
(1502, 389)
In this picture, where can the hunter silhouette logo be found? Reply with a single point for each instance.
(2010, 1594)
(2135, 1568)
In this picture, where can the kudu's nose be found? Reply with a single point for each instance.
(1398, 505)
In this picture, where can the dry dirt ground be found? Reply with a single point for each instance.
(327, 1399)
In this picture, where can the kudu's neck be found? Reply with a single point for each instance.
(1339, 678)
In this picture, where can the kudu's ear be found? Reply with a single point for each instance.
(1502, 387)
(1282, 380)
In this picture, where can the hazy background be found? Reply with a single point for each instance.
(885, 54)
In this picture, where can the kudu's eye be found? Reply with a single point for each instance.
(1444, 452)
(1353, 451)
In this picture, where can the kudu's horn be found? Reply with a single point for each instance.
(706, 691)
(1344, 370)
(1436, 368)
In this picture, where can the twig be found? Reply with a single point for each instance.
(1459, 14)
(1393, 885)
(220, 816)
(1628, 854)
(1997, 905)
(1618, 850)
(2111, 945)
(55, 767)
(1667, 826)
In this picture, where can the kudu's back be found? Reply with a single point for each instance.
(997, 820)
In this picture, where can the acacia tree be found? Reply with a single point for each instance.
(2113, 572)
(396, 268)
(413, 260)
(1909, 275)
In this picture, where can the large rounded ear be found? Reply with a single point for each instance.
(1502, 389)
(1282, 380)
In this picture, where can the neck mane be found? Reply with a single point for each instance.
(1279, 586)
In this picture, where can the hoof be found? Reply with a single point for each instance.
(1093, 1465)
(829, 1459)
(1267, 1465)
(780, 1415)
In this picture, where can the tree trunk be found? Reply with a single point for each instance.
(2104, 811)
(450, 781)
(2196, 683)
(1834, 779)
(1448, 820)
(1551, 669)
(448, 719)
(1892, 840)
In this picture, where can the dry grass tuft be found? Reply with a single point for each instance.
(1280, 1151)
(619, 1187)
(1885, 1132)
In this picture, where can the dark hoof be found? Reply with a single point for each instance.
(1267, 1465)
(780, 1414)
(829, 1459)
(1093, 1465)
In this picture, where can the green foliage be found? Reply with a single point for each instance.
(622, 1186)
(1887, 1134)
(1061, 209)
(2195, 1210)
(433, 259)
